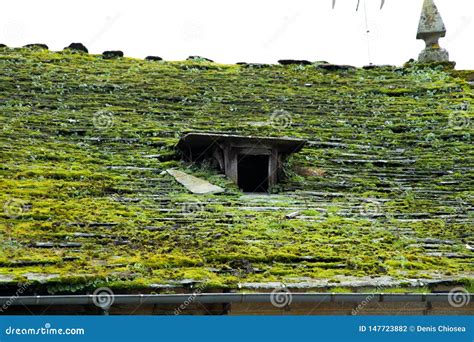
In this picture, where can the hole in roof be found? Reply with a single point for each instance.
(253, 173)
(253, 163)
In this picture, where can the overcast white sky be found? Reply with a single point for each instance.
(243, 30)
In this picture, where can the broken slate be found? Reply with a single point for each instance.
(292, 215)
(194, 184)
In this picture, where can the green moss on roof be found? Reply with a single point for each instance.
(387, 187)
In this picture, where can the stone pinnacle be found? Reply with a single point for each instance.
(431, 28)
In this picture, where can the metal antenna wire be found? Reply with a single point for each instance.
(367, 31)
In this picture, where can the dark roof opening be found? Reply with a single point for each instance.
(252, 173)
(254, 163)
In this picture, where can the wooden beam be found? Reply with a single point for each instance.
(273, 168)
(230, 160)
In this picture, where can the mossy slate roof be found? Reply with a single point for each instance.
(382, 190)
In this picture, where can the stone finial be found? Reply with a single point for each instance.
(431, 29)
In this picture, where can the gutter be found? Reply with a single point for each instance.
(220, 298)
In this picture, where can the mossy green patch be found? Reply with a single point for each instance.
(85, 142)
